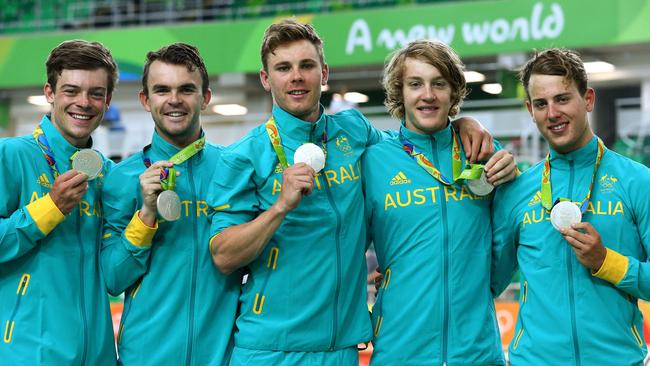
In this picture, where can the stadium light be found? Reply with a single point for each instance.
(354, 97)
(492, 88)
(595, 67)
(230, 109)
(38, 100)
(473, 77)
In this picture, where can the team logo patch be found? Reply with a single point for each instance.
(44, 181)
(343, 145)
(278, 168)
(607, 183)
(400, 178)
(537, 198)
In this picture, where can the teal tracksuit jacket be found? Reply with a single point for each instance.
(178, 308)
(53, 304)
(307, 289)
(567, 315)
(433, 244)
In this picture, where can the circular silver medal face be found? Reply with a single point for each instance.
(565, 214)
(169, 205)
(311, 155)
(480, 187)
(89, 162)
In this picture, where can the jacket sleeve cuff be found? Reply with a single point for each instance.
(139, 234)
(614, 267)
(45, 213)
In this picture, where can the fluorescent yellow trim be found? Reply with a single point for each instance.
(135, 292)
(387, 278)
(213, 251)
(525, 293)
(24, 281)
(257, 308)
(107, 235)
(139, 234)
(45, 214)
(519, 334)
(9, 331)
(637, 336)
(614, 267)
(380, 319)
(273, 257)
(119, 334)
(222, 207)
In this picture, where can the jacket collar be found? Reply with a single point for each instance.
(163, 150)
(585, 155)
(61, 148)
(424, 142)
(295, 131)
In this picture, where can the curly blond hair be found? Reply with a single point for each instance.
(435, 53)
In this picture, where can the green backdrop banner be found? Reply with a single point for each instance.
(4, 114)
(473, 28)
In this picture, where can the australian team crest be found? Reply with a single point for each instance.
(343, 145)
(607, 183)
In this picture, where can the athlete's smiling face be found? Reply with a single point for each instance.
(78, 101)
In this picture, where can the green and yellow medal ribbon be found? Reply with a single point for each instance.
(168, 175)
(276, 142)
(547, 194)
(44, 145)
(472, 171)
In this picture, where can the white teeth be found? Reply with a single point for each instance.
(297, 92)
(175, 114)
(80, 116)
(558, 127)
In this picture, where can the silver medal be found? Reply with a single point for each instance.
(310, 154)
(89, 162)
(169, 205)
(480, 186)
(564, 214)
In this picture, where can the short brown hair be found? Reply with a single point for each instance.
(177, 54)
(559, 62)
(81, 55)
(287, 31)
(435, 53)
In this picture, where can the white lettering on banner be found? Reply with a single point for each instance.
(500, 30)
(497, 31)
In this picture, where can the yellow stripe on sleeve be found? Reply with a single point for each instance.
(614, 267)
(45, 214)
(139, 234)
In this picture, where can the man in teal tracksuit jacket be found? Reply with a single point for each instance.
(179, 309)
(53, 304)
(579, 286)
(301, 235)
(432, 235)
(306, 289)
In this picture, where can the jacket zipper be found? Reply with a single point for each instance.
(445, 266)
(569, 261)
(190, 333)
(81, 286)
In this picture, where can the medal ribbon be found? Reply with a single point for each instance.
(547, 195)
(472, 171)
(44, 145)
(274, 136)
(168, 175)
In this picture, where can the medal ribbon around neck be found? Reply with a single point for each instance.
(472, 171)
(547, 195)
(274, 136)
(168, 175)
(44, 145)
